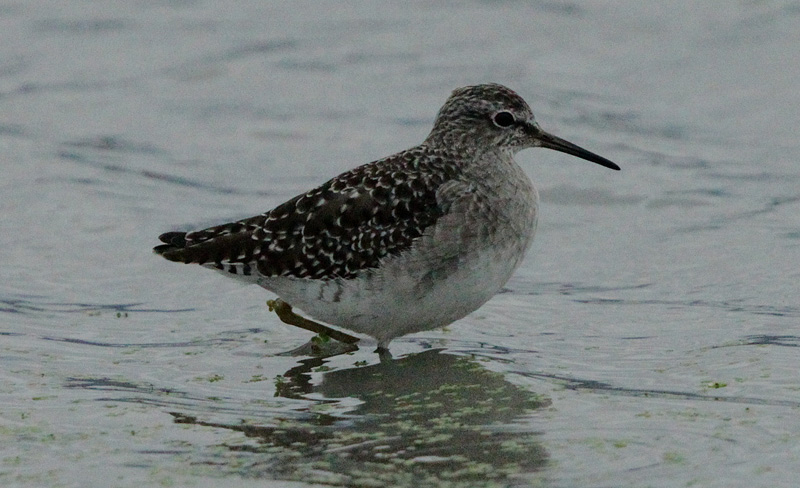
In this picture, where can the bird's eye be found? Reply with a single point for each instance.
(503, 119)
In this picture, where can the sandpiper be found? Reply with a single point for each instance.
(408, 243)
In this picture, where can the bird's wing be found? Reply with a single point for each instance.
(346, 225)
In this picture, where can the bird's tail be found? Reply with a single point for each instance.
(174, 244)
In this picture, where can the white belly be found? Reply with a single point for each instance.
(445, 277)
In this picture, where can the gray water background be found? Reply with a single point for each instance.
(649, 339)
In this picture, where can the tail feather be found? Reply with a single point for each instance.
(177, 239)
(174, 242)
(221, 251)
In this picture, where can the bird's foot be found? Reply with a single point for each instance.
(287, 316)
(319, 349)
(383, 354)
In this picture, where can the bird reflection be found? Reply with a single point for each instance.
(424, 419)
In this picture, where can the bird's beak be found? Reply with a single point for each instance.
(545, 139)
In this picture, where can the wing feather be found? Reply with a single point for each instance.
(336, 230)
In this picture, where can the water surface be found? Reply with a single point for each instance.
(650, 338)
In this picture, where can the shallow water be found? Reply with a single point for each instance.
(650, 338)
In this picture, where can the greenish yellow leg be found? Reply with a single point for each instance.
(284, 312)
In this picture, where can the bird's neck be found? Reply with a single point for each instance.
(470, 156)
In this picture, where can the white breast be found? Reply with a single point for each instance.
(456, 267)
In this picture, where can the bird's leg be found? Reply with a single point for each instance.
(284, 312)
(383, 354)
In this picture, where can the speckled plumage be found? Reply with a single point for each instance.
(335, 230)
(407, 243)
